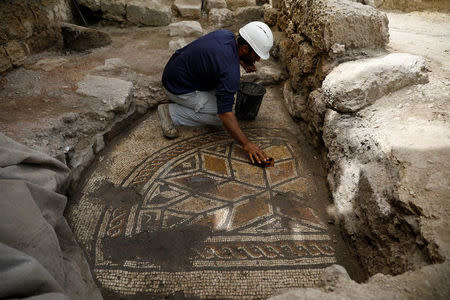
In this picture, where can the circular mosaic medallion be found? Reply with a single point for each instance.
(196, 218)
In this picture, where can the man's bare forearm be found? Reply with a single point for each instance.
(231, 124)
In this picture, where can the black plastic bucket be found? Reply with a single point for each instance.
(248, 100)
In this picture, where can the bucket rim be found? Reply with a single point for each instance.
(261, 89)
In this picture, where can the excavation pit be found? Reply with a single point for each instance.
(195, 216)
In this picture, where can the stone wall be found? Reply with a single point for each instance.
(29, 27)
(319, 35)
(339, 70)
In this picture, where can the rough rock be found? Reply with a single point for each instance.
(315, 111)
(91, 4)
(233, 4)
(333, 276)
(189, 8)
(80, 38)
(220, 17)
(390, 169)
(267, 73)
(186, 28)
(114, 10)
(16, 53)
(295, 103)
(210, 4)
(113, 64)
(177, 43)
(151, 13)
(48, 64)
(326, 23)
(430, 282)
(5, 63)
(244, 15)
(114, 93)
(355, 84)
(271, 16)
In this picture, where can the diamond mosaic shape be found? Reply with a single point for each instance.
(215, 220)
(297, 211)
(250, 211)
(245, 172)
(280, 152)
(233, 191)
(196, 205)
(281, 172)
(238, 152)
(216, 165)
(300, 186)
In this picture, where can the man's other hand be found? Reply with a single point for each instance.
(248, 68)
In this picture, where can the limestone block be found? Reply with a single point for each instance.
(244, 15)
(189, 8)
(81, 38)
(220, 17)
(210, 4)
(151, 13)
(316, 109)
(266, 74)
(114, 93)
(276, 3)
(271, 16)
(355, 84)
(307, 57)
(48, 64)
(332, 276)
(177, 44)
(295, 103)
(113, 9)
(3, 38)
(233, 4)
(91, 4)
(5, 63)
(15, 52)
(186, 28)
(113, 64)
(343, 22)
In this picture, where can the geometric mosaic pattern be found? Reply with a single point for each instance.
(257, 228)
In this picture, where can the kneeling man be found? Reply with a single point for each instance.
(202, 78)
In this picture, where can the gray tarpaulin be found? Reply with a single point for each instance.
(39, 257)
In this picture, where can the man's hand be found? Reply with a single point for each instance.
(248, 68)
(231, 124)
(255, 153)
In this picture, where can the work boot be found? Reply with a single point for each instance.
(169, 130)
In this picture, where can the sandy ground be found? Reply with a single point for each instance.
(422, 33)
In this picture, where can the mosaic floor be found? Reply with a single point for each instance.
(195, 217)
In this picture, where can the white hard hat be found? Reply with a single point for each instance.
(259, 36)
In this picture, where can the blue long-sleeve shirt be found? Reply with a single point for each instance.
(208, 63)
